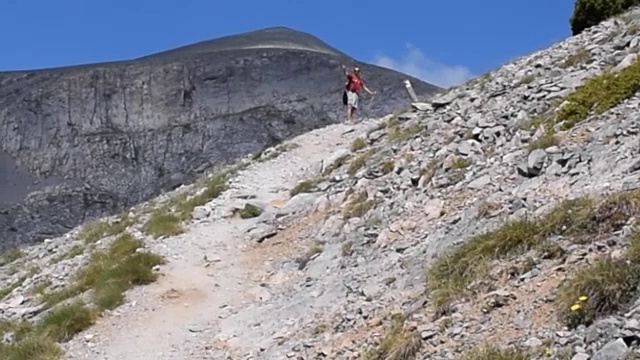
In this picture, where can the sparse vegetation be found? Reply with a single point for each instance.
(358, 206)
(97, 230)
(534, 122)
(250, 211)
(634, 29)
(578, 219)
(73, 252)
(336, 165)
(496, 353)
(398, 343)
(602, 288)
(460, 163)
(527, 79)
(347, 248)
(599, 94)
(429, 170)
(162, 223)
(401, 134)
(274, 152)
(545, 141)
(582, 56)
(387, 167)
(358, 144)
(63, 323)
(108, 274)
(357, 163)
(587, 13)
(10, 256)
(485, 208)
(305, 186)
(214, 187)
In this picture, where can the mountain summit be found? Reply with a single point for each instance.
(81, 142)
(274, 37)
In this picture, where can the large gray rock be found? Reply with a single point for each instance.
(81, 142)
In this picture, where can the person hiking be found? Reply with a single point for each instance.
(352, 91)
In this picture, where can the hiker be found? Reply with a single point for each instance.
(352, 91)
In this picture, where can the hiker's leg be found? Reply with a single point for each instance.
(352, 102)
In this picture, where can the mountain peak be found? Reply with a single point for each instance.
(279, 37)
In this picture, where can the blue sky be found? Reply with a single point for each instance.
(443, 42)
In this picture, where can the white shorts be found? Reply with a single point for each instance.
(352, 99)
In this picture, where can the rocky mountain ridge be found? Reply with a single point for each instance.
(498, 221)
(88, 141)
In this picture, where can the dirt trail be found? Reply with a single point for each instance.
(212, 274)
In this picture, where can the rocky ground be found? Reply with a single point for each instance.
(497, 216)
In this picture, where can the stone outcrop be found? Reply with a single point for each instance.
(80, 142)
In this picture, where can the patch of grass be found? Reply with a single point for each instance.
(534, 122)
(460, 163)
(73, 252)
(358, 144)
(599, 94)
(357, 163)
(633, 30)
(40, 288)
(213, 187)
(162, 223)
(527, 79)
(250, 211)
(110, 273)
(401, 134)
(496, 353)
(582, 56)
(429, 170)
(358, 206)
(305, 186)
(9, 289)
(63, 323)
(392, 123)
(545, 141)
(10, 256)
(485, 208)
(315, 249)
(263, 156)
(31, 348)
(388, 167)
(347, 248)
(97, 230)
(397, 344)
(336, 165)
(602, 288)
(452, 274)
(39, 341)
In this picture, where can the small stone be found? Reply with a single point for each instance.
(614, 350)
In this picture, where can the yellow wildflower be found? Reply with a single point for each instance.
(583, 298)
(576, 307)
(548, 352)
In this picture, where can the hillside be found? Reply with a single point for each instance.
(82, 142)
(496, 221)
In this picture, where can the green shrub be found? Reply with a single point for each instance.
(587, 13)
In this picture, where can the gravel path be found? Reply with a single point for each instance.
(209, 300)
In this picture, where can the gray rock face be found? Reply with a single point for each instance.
(81, 142)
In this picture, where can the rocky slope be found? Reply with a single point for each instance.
(498, 221)
(87, 141)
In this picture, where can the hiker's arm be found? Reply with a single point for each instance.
(367, 90)
(344, 71)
